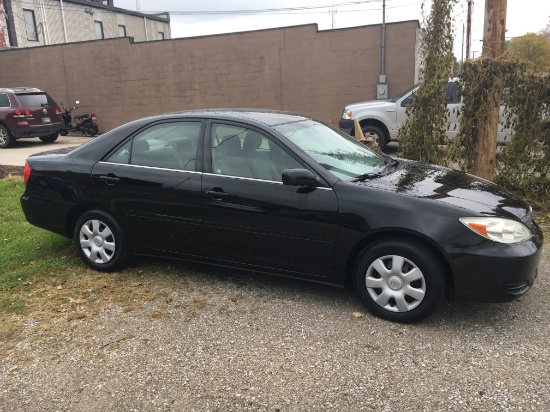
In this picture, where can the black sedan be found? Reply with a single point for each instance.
(285, 194)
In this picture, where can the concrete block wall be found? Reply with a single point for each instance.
(297, 68)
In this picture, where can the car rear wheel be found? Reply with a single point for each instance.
(375, 136)
(50, 138)
(6, 139)
(100, 241)
(399, 280)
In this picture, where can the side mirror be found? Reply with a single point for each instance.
(408, 100)
(299, 177)
(77, 102)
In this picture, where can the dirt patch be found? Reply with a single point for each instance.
(6, 171)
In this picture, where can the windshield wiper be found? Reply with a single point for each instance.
(366, 176)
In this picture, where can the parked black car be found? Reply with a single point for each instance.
(285, 194)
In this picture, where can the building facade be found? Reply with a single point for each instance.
(31, 23)
(300, 69)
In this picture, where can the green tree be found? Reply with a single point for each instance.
(424, 130)
(546, 31)
(532, 47)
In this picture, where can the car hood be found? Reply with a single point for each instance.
(450, 187)
(371, 104)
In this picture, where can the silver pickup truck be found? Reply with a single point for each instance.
(380, 120)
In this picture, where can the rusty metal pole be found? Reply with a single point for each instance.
(493, 46)
(4, 42)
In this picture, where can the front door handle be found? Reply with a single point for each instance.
(110, 179)
(216, 195)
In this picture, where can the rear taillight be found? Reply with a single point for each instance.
(27, 172)
(19, 113)
(57, 110)
(92, 115)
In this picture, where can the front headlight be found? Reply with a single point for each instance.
(346, 114)
(498, 229)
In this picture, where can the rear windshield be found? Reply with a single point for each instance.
(35, 100)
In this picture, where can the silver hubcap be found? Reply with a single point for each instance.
(97, 241)
(395, 283)
(3, 136)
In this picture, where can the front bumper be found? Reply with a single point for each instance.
(346, 125)
(495, 272)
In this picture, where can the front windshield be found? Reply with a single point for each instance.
(336, 151)
(410, 89)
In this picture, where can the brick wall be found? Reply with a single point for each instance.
(295, 68)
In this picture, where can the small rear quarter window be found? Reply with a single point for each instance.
(4, 100)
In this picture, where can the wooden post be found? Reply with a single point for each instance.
(493, 46)
(469, 29)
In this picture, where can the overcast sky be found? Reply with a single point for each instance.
(523, 16)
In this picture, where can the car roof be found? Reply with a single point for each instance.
(265, 116)
(21, 89)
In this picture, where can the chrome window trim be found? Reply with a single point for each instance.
(209, 174)
(150, 167)
(259, 180)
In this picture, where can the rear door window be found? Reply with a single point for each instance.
(171, 145)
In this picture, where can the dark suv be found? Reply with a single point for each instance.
(28, 112)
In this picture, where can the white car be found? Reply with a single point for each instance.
(380, 120)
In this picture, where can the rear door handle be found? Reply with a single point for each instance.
(215, 194)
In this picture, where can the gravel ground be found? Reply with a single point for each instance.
(220, 340)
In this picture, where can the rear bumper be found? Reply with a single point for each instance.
(45, 213)
(23, 129)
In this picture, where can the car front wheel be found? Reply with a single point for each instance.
(399, 280)
(100, 241)
(6, 139)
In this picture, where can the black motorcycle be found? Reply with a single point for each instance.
(84, 123)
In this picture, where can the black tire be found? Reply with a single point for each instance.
(100, 241)
(63, 132)
(92, 129)
(50, 138)
(382, 278)
(6, 138)
(374, 134)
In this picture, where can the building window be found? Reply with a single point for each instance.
(121, 30)
(30, 25)
(99, 30)
(161, 35)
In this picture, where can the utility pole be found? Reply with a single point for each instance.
(333, 13)
(382, 87)
(469, 29)
(494, 30)
(3, 26)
